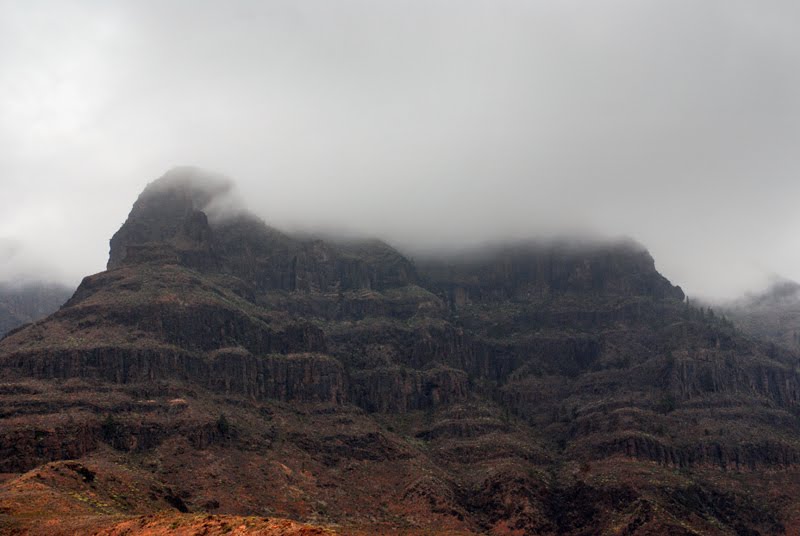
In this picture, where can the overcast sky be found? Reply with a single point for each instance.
(675, 122)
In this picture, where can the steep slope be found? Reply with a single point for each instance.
(222, 366)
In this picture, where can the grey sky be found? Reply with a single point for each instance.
(675, 122)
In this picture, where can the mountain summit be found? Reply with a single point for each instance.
(220, 366)
(169, 213)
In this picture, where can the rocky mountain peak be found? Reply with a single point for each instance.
(550, 388)
(169, 217)
(188, 217)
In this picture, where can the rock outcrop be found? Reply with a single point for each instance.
(532, 388)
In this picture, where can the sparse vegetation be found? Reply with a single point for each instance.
(536, 390)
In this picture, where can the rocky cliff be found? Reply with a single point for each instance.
(220, 365)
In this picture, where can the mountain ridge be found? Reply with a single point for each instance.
(533, 389)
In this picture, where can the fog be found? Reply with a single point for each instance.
(427, 123)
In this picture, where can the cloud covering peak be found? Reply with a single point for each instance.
(425, 123)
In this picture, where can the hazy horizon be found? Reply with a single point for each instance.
(673, 123)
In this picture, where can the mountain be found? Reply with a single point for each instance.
(221, 372)
(772, 315)
(24, 303)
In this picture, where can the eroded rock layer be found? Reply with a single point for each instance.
(220, 366)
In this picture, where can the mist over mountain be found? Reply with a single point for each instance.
(294, 267)
(22, 303)
(221, 369)
(426, 125)
(772, 314)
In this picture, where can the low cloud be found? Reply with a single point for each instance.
(428, 124)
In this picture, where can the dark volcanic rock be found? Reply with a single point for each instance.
(301, 377)
(24, 449)
(533, 269)
(534, 388)
(168, 224)
(398, 390)
(168, 218)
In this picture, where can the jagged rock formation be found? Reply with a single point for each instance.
(534, 388)
(167, 224)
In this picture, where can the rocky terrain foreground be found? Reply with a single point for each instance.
(222, 377)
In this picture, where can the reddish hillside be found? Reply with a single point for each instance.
(222, 375)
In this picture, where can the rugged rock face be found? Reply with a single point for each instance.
(399, 390)
(168, 218)
(222, 366)
(303, 377)
(523, 270)
(168, 224)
